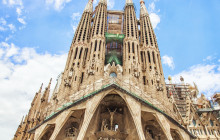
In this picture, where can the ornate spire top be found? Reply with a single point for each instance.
(103, 1)
(40, 88)
(129, 2)
(46, 92)
(143, 8)
(89, 6)
(22, 120)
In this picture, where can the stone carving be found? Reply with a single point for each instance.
(71, 132)
(103, 124)
(135, 69)
(71, 73)
(92, 67)
(112, 118)
(67, 82)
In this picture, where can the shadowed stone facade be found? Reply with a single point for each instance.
(113, 87)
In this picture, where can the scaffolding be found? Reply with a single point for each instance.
(179, 93)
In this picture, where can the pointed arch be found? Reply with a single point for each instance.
(47, 132)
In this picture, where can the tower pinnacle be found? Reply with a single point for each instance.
(89, 6)
(143, 10)
(103, 1)
(129, 1)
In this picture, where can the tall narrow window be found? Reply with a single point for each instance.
(80, 53)
(76, 53)
(82, 77)
(153, 57)
(129, 47)
(148, 53)
(142, 59)
(133, 47)
(95, 45)
(86, 51)
(158, 59)
(100, 45)
(144, 80)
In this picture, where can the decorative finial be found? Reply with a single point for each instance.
(169, 78)
(129, 1)
(89, 6)
(40, 88)
(143, 10)
(181, 79)
(103, 1)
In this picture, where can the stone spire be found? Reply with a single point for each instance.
(151, 67)
(129, 2)
(46, 92)
(131, 42)
(36, 95)
(103, 1)
(143, 10)
(89, 7)
(97, 49)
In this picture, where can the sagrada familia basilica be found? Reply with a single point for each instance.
(113, 87)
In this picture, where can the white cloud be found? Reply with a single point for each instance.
(74, 27)
(22, 72)
(3, 21)
(19, 11)
(168, 60)
(153, 13)
(155, 19)
(12, 2)
(209, 58)
(111, 3)
(8, 38)
(76, 16)
(11, 27)
(75, 20)
(57, 4)
(205, 76)
(4, 44)
(21, 20)
(151, 6)
(95, 2)
(2, 28)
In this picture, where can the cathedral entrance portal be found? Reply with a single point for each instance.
(112, 121)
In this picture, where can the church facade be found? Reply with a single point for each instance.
(113, 87)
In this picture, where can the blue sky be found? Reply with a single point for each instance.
(35, 37)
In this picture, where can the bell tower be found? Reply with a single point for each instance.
(131, 62)
(78, 60)
(97, 43)
(150, 60)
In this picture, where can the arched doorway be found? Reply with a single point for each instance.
(152, 129)
(112, 120)
(71, 128)
(48, 132)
